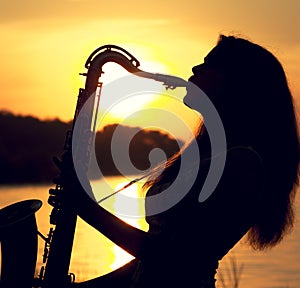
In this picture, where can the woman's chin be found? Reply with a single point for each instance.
(187, 101)
(187, 105)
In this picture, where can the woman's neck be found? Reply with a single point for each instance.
(204, 144)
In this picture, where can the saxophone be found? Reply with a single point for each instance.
(59, 241)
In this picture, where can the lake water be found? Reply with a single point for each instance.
(93, 255)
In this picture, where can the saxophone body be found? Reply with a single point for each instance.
(59, 241)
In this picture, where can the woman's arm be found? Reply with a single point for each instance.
(131, 239)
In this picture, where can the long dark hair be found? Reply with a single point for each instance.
(258, 111)
(256, 108)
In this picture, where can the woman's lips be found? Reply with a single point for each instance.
(191, 84)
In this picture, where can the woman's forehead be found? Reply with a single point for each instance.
(214, 55)
(221, 55)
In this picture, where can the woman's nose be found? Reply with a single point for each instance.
(196, 69)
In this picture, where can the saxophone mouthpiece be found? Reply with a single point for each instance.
(171, 82)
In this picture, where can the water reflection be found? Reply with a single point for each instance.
(103, 255)
(94, 255)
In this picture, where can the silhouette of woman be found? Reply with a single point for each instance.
(254, 196)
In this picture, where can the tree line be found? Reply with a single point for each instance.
(28, 144)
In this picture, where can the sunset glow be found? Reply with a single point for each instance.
(45, 45)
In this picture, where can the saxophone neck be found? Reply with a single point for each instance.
(113, 53)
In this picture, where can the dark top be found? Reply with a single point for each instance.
(192, 236)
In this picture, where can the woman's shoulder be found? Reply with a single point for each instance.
(243, 161)
(243, 172)
(237, 165)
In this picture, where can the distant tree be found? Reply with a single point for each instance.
(140, 146)
(27, 146)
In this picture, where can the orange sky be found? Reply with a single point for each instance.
(45, 43)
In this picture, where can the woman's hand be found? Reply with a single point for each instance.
(69, 192)
(73, 196)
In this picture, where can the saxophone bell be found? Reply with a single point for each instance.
(18, 237)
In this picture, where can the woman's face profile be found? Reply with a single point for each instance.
(208, 78)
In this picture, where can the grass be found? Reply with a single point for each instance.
(233, 274)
